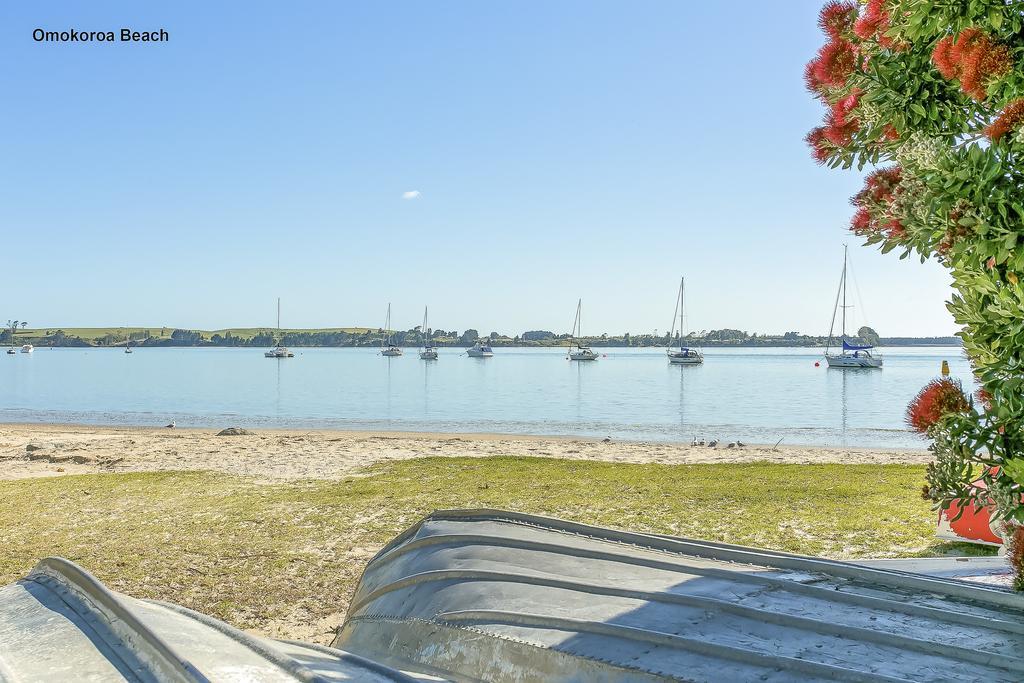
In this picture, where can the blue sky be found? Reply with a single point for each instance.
(594, 149)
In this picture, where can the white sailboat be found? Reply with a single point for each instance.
(428, 352)
(13, 327)
(577, 349)
(27, 348)
(684, 355)
(279, 351)
(852, 356)
(389, 349)
(127, 341)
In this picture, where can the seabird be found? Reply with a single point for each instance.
(694, 442)
(731, 444)
(740, 444)
(713, 443)
(607, 439)
(701, 442)
(170, 426)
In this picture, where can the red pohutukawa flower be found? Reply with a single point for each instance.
(837, 18)
(844, 106)
(973, 58)
(862, 224)
(874, 205)
(836, 61)
(820, 149)
(873, 24)
(984, 397)
(1009, 120)
(839, 134)
(938, 399)
(811, 80)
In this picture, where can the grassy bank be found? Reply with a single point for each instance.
(284, 558)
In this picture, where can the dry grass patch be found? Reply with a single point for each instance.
(283, 558)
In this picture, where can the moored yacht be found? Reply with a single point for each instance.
(480, 350)
(387, 342)
(27, 348)
(578, 350)
(852, 356)
(278, 351)
(428, 352)
(684, 355)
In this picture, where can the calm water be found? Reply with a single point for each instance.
(755, 395)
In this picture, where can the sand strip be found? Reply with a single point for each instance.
(51, 450)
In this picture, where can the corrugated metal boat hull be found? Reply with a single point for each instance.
(497, 596)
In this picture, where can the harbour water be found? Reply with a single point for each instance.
(754, 395)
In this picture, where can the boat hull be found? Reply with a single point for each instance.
(852, 363)
(692, 358)
(479, 354)
(391, 352)
(501, 596)
(429, 354)
(583, 354)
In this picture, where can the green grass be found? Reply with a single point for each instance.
(255, 553)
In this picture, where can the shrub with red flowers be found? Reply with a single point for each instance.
(939, 399)
(931, 97)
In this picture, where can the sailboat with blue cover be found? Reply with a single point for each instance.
(852, 356)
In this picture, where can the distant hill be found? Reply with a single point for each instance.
(366, 337)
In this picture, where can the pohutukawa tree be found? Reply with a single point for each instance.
(930, 95)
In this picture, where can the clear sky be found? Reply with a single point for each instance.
(493, 160)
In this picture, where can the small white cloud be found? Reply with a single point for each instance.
(412, 194)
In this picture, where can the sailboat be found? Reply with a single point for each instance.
(279, 351)
(428, 352)
(390, 349)
(683, 355)
(854, 356)
(127, 341)
(577, 349)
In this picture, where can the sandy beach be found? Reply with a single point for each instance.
(33, 450)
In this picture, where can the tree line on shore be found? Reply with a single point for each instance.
(415, 337)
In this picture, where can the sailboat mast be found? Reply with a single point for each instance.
(844, 292)
(426, 341)
(682, 309)
(578, 327)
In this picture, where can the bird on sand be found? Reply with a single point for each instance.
(170, 426)
(731, 444)
(713, 443)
